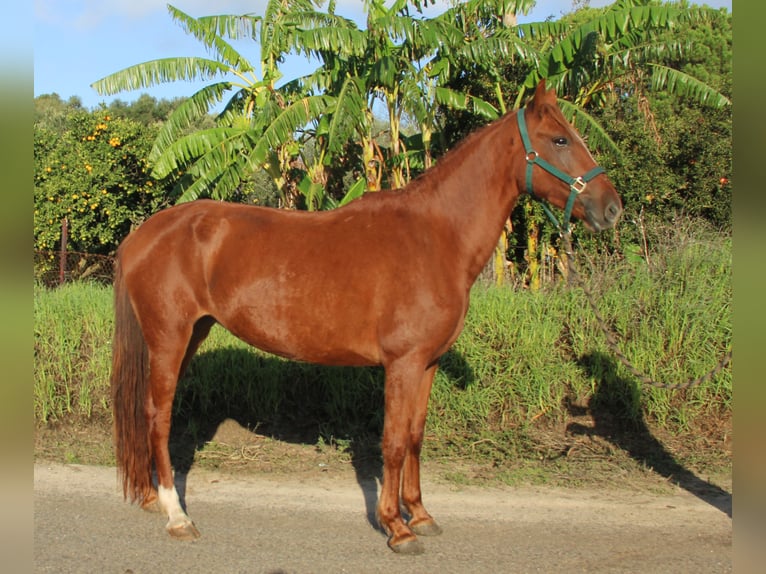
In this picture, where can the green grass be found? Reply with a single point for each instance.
(72, 352)
(526, 362)
(526, 357)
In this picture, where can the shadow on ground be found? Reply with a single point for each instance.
(293, 402)
(616, 412)
(308, 404)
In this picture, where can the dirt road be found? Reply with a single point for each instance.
(280, 525)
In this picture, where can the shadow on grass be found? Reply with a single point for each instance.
(290, 401)
(616, 411)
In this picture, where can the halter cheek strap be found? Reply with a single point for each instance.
(576, 184)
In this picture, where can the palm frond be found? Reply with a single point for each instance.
(681, 84)
(244, 26)
(218, 181)
(486, 12)
(500, 47)
(345, 41)
(190, 110)
(548, 29)
(348, 113)
(590, 128)
(190, 148)
(626, 30)
(234, 108)
(462, 101)
(206, 31)
(356, 190)
(157, 72)
(284, 126)
(276, 27)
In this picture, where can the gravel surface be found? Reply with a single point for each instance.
(282, 524)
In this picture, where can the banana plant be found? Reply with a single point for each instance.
(398, 61)
(584, 62)
(256, 129)
(414, 58)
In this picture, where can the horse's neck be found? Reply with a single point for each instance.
(475, 191)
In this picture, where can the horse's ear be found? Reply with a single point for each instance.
(540, 97)
(540, 92)
(551, 94)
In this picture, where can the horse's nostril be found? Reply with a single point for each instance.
(612, 212)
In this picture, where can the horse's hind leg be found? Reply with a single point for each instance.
(201, 329)
(166, 360)
(421, 522)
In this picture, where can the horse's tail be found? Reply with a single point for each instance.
(130, 388)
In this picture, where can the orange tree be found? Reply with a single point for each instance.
(91, 170)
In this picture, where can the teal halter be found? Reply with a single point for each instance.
(576, 184)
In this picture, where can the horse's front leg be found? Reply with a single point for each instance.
(402, 382)
(421, 522)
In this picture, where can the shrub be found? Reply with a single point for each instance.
(93, 173)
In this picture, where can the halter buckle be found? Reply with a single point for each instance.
(578, 185)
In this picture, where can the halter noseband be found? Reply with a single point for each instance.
(576, 184)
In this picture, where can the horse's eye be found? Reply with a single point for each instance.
(559, 141)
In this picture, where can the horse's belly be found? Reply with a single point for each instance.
(335, 342)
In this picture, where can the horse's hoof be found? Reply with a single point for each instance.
(184, 531)
(426, 528)
(411, 547)
(151, 503)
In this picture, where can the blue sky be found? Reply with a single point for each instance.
(77, 42)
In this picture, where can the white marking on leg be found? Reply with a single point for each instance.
(171, 505)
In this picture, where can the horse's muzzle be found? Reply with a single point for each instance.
(598, 217)
(612, 212)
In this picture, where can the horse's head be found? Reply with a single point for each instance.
(560, 169)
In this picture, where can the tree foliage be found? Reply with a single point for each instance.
(91, 169)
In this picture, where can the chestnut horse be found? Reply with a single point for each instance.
(384, 280)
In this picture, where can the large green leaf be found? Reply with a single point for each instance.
(313, 192)
(206, 30)
(589, 128)
(461, 101)
(317, 32)
(490, 51)
(676, 82)
(217, 182)
(277, 28)
(190, 148)
(356, 190)
(614, 26)
(284, 126)
(240, 27)
(348, 115)
(345, 41)
(189, 111)
(157, 72)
